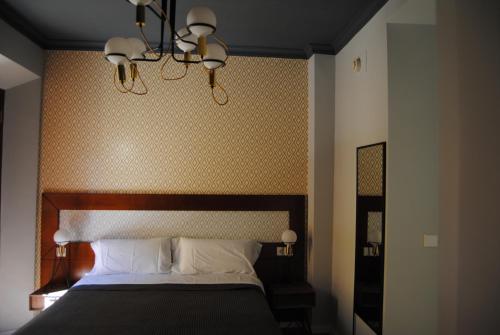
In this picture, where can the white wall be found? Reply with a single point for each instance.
(361, 118)
(19, 192)
(13, 74)
(321, 76)
(361, 115)
(20, 49)
(411, 276)
(19, 180)
(469, 86)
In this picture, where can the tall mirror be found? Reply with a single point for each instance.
(370, 224)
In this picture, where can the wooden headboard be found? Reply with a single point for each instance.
(269, 267)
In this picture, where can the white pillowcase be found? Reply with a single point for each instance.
(215, 256)
(132, 256)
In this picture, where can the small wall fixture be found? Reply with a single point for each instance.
(61, 237)
(356, 64)
(289, 237)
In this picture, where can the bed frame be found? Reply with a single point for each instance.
(269, 267)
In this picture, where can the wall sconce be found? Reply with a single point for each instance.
(61, 237)
(289, 237)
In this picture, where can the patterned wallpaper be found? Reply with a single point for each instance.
(175, 139)
(371, 171)
(91, 225)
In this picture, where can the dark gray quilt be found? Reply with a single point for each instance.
(173, 309)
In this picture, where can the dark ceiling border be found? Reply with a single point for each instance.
(16, 21)
(13, 18)
(235, 50)
(356, 24)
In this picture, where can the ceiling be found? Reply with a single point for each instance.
(281, 28)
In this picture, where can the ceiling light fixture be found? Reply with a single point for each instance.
(201, 26)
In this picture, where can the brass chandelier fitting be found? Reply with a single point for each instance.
(127, 53)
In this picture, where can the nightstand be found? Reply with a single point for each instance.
(291, 304)
(46, 296)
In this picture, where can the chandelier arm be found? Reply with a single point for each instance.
(163, 19)
(221, 41)
(172, 37)
(158, 15)
(162, 27)
(172, 54)
(224, 45)
(169, 21)
(173, 33)
(158, 56)
(145, 39)
(174, 78)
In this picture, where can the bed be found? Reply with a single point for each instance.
(162, 304)
(165, 303)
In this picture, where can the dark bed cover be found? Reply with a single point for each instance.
(173, 309)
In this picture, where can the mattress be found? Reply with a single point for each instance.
(170, 278)
(159, 304)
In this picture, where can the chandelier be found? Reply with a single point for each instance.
(197, 41)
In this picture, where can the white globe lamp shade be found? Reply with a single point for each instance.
(187, 41)
(140, 2)
(215, 56)
(137, 48)
(289, 236)
(116, 50)
(201, 21)
(62, 237)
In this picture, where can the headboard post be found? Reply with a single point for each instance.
(49, 225)
(270, 267)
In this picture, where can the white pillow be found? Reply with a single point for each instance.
(132, 256)
(216, 256)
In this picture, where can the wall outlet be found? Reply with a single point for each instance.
(431, 241)
(280, 251)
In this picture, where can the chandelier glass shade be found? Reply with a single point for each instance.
(196, 41)
(137, 49)
(201, 21)
(186, 41)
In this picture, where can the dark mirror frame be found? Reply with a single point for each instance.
(369, 257)
(2, 109)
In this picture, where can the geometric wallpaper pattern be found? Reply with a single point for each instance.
(91, 225)
(175, 139)
(371, 171)
(374, 229)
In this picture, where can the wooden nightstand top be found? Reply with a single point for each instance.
(37, 298)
